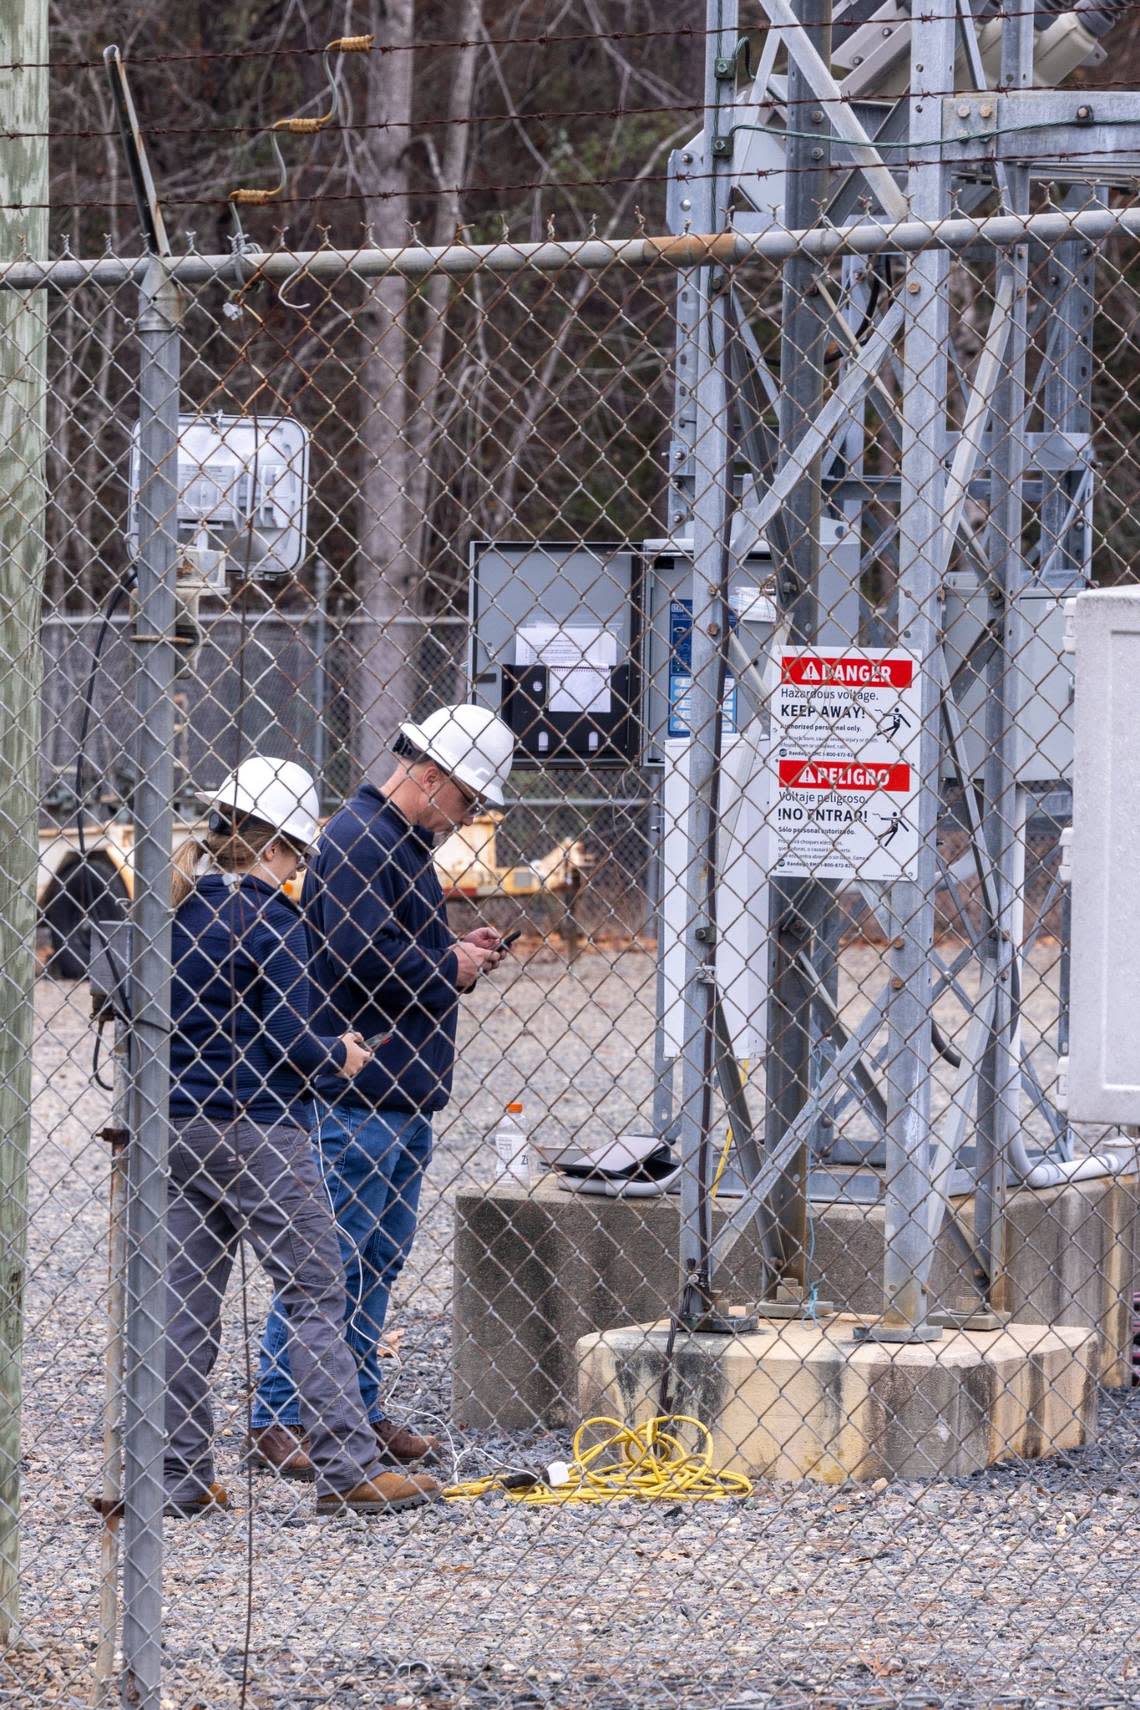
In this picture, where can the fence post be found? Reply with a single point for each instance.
(804, 912)
(711, 523)
(1004, 823)
(23, 392)
(910, 902)
(153, 639)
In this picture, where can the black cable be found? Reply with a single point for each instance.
(243, 1278)
(665, 1393)
(709, 1040)
(107, 1086)
(118, 594)
(867, 322)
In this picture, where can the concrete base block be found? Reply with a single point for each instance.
(536, 1269)
(808, 1401)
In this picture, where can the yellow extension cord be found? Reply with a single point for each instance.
(652, 1465)
(722, 1162)
(643, 1461)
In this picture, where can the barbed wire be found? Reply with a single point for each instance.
(541, 116)
(686, 176)
(695, 32)
(430, 192)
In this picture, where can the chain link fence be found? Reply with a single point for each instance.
(759, 548)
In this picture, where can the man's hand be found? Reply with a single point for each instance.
(485, 938)
(471, 960)
(356, 1055)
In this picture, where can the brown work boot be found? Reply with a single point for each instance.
(209, 1501)
(387, 1493)
(399, 1447)
(279, 1449)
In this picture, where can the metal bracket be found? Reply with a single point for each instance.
(980, 1319)
(717, 1320)
(884, 1332)
(792, 1303)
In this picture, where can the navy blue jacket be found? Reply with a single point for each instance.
(242, 1043)
(382, 955)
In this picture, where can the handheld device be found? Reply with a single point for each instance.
(376, 1041)
(505, 943)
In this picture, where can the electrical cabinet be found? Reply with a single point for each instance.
(243, 493)
(584, 649)
(1103, 1070)
(556, 648)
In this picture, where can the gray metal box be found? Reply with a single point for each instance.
(1040, 678)
(586, 590)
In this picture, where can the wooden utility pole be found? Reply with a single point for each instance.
(23, 391)
(389, 573)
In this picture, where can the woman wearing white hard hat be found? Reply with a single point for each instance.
(241, 1163)
(386, 962)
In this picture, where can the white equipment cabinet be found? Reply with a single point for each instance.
(1103, 1069)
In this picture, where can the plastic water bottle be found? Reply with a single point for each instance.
(511, 1146)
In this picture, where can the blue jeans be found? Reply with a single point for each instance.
(373, 1163)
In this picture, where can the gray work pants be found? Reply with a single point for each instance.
(262, 1184)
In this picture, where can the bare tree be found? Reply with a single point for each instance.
(388, 571)
(438, 408)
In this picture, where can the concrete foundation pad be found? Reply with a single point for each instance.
(537, 1269)
(806, 1400)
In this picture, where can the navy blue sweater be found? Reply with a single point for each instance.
(382, 955)
(242, 1042)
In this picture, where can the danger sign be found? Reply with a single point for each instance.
(844, 746)
(842, 775)
(891, 671)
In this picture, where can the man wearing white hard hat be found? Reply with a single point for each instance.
(386, 965)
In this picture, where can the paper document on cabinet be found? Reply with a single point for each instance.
(578, 660)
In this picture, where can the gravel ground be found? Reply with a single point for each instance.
(1013, 1588)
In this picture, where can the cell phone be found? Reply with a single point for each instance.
(376, 1041)
(505, 943)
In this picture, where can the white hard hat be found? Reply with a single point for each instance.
(470, 744)
(278, 792)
